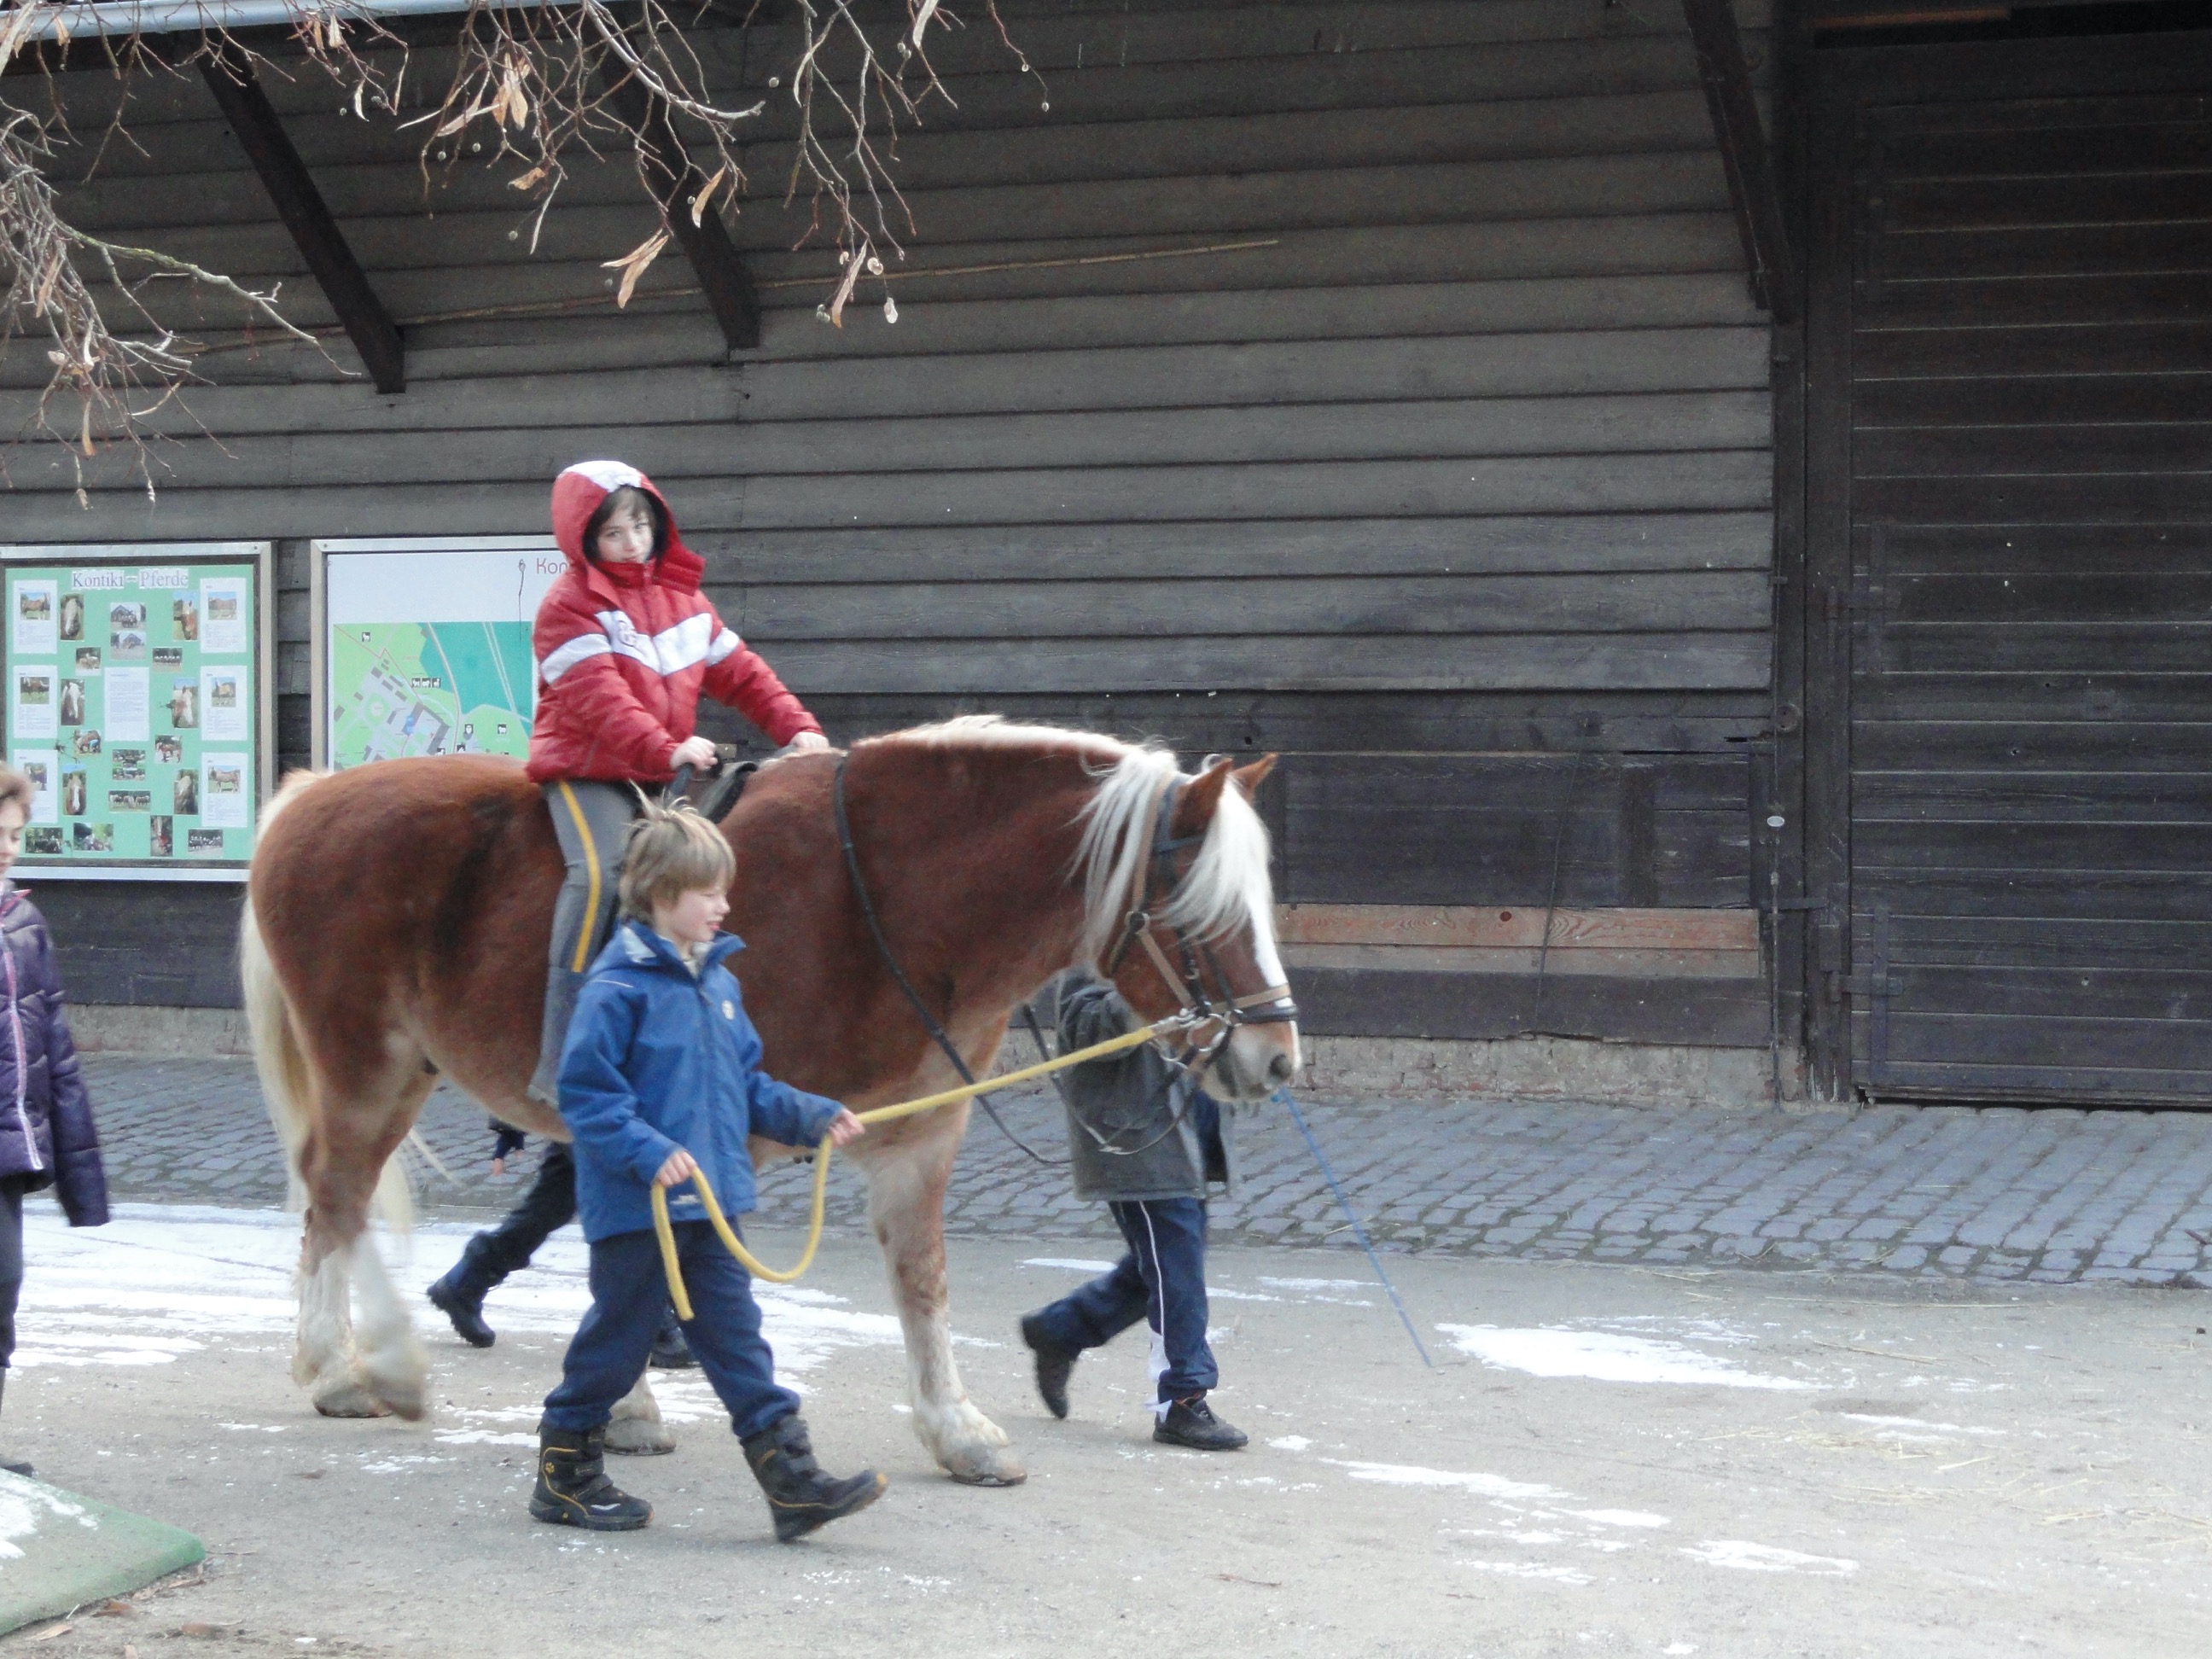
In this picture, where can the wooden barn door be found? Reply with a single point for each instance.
(2010, 540)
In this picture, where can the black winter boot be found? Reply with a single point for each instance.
(1054, 1367)
(671, 1349)
(461, 1302)
(1192, 1423)
(572, 1488)
(12, 1466)
(799, 1496)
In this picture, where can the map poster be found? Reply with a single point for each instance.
(426, 647)
(134, 716)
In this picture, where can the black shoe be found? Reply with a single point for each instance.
(1054, 1367)
(572, 1488)
(464, 1308)
(1192, 1423)
(671, 1351)
(799, 1496)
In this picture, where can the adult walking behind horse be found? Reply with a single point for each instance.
(397, 921)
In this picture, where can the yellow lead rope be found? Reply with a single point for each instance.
(880, 1115)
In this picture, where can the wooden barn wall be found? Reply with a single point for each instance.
(1373, 383)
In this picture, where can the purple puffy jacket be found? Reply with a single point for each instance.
(46, 1133)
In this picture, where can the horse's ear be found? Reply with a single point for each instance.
(1250, 778)
(1201, 799)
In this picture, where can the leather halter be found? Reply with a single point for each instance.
(1158, 875)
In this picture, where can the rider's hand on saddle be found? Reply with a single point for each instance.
(845, 1128)
(680, 1168)
(697, 753)
(806, 740)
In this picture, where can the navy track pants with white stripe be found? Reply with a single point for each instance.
(1162, 1281)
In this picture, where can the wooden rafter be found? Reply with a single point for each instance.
(291, 188)
(1752, 188)
(675, 182)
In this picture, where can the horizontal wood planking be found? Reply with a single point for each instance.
(2029, 744)
(1486, 928)
(1370, 1002)
(1566, 961)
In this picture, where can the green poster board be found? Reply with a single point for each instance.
(134, 703)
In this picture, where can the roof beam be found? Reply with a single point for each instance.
(1752, 189)
(252, 118)
(675, 182)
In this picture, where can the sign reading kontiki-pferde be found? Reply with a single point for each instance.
(135, 703)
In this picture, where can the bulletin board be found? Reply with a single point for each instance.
(139, 704)
(422, 645)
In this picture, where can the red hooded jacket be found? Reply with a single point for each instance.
(624, 650)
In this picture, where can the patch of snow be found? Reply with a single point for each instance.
(1317, 1284)
(1069, 1264)
(1914, 1422)
(1408, 1474)
(1530, 1569)
(482, 1437)
(1605, 1357)
(1290, 1443)
(1766, 1557)
(1620, 1517)
(24, 1504)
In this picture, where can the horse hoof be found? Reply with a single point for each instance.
(987, 1465)
(638, 1436)
(347, 1398)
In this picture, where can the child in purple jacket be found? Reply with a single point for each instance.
(46, 1133)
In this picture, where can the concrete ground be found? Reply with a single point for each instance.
(1606, 1459)
(1992, 1195)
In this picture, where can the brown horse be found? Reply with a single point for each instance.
(399, 916)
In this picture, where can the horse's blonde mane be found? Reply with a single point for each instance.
(1227, 886)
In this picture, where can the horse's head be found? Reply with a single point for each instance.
(1183, 913)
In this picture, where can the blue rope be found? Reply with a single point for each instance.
(1357, 1231)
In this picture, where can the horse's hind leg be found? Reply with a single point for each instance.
(382, 1367)
(906, 1204)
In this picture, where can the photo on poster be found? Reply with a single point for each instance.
(36, 626)
(88, 661)
(74, 788)
(127, 636)
(222, 616)
(184, 704)
(126, 765)
(34, 704)
(72, 711)
(204, 841)
(168, 656)
(185, 795)
(160, 839)
(167, 750)
(223, 704)
(84, 741)
(44, 843)
(184, 618)
(42, 766)
(130, 720)
(72, 609)
(92, 837)
(224, 798)
(130, 800)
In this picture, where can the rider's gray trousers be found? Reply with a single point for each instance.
(592, 820)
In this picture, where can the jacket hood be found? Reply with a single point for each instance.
(636, 946)
(577, 494)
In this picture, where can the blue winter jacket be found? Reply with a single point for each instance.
(46, 1132)
(657, 1059)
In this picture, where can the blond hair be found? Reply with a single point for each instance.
(17, 790)
(673, 851)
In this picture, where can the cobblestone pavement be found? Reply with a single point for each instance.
(1991, 1193)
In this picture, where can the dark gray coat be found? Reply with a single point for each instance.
(46, 1132)
(1175, 1140)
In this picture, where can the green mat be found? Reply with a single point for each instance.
(58, 1551)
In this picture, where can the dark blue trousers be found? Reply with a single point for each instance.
(1162, 1281)
(629, 1295)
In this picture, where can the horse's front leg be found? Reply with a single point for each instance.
(905, 1206)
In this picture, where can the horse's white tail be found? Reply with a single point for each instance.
(287, 1084)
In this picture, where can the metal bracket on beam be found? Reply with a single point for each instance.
(1753, 189)
(675, 183)
(229, 75)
